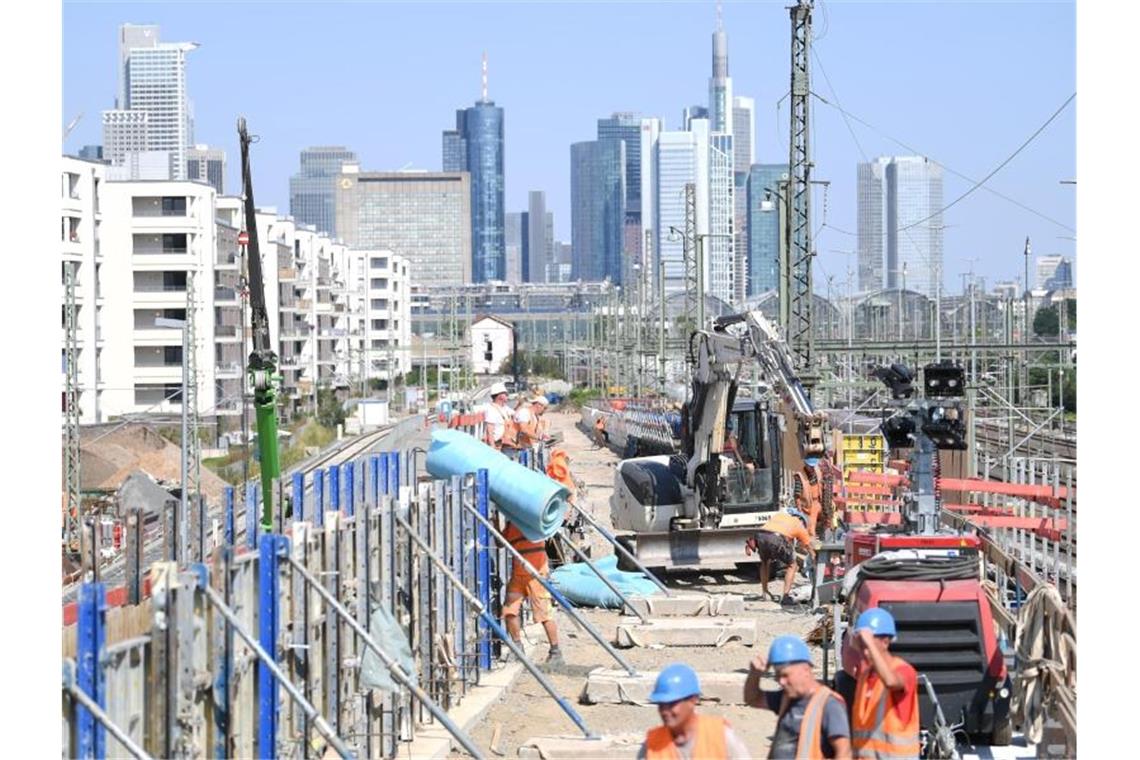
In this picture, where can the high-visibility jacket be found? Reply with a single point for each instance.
(877, 731)
(809, 496)
(558, 468)
(533, 551)
(710, 744)
(788, 526)
(811, 729)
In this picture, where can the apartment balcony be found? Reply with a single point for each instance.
(156, 336)
(159, 298)
(304, 304)
(286, 274)
(228, 370)
(226, 333)
(157, 373)
(225, 296)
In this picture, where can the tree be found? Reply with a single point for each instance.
(330, 412)
(1046, 322)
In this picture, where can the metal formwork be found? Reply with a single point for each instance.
(241, 655)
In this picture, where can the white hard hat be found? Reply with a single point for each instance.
(541, 400)
(498, 388)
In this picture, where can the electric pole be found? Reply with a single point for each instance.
(800, 336)
(73, 517)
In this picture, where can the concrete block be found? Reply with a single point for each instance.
(691, 632)
(604, 686)
(689, 605)
(577, 747)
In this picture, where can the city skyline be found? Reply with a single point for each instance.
(1025, 86)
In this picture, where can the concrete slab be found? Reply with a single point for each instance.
(691, 632)
(577, 748)
(689, 605)
(605, 686)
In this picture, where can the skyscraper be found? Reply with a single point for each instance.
(423, 216)
(628, 127)
(899, 223)
(515, 238)
(720, 83)
(680, 157)
(720, 246)
(312, 191)
(478, 137)
(540, 238)
(152, 80)
(743, 132)
(597, 209)
(764, 213)
(207, 165)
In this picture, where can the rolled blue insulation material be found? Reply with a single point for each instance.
(583, 588)
(532, 501)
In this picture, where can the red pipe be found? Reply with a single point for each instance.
(1023, 490)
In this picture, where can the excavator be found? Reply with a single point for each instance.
(696, 508)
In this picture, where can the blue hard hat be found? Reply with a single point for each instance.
(676, 682)
(799, 515)
(879, 621)
(786, 650)
(811, 461)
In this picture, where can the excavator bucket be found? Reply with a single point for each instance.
(706, 549)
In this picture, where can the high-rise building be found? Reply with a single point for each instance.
(764, 213)
(743, 139)
(208, 165)
(478, 136)
(628, 128)
(744, 134)
(516, 242)
(693, 112)
(152, 80)
(725, 273)
(720, 83)
(312, 191)
(540, 238)
(900, 231)
(680, 158)
(424, 217)
(597, 209)
(1054, 273)
(91, 152)
(124, 132)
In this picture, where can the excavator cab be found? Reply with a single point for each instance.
(748, 467)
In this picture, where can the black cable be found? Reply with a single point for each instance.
(919, 569)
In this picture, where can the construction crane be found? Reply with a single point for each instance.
(798, 209)
(72, 125)
(262, 365)
(72, 507)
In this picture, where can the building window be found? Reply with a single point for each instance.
(173, 206)
(379, 263)
(379, 303)
(174, 242)
(174, 281)
(379, 283)
(172, 355)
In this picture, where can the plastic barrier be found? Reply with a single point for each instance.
(579, 584)
(532, 501)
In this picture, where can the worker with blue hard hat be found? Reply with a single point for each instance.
(808, 489)
(811, 719)
(683, 734)
(884, 711)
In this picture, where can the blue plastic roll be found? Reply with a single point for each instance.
(578, 583)
(532, 501)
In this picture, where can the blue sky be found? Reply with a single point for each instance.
(964, 83)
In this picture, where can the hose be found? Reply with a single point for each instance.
(1046, 647)
(919, 569)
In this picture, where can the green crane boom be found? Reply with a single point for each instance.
(262, 366)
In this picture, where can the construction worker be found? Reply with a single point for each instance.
(498, 420)
(807, 486)
(600, 436)
(558, 468)
(524, 585)
(884, 712)
(811, 719)
(530, 423)
(775, 541)
(683, 734)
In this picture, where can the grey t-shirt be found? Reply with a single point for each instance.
(834, 725)
(735, 747)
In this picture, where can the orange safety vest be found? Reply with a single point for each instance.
(808, 744)
(534, 551)
(559, 469)
(811, 499)
(787, 526)
(710, 744)
(876, 729)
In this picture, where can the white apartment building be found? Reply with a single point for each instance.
(80, 221)
(156, 240)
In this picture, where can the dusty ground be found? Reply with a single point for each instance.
(527, 711)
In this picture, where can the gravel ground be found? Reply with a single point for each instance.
(527, 711)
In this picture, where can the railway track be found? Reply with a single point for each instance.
(113, 572)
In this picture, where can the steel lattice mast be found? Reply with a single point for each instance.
(798, 209)
(72, 509)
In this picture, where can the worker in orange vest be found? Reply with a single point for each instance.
(683, 734)
(523, 585)
(807, 486)
(530, 424)
(775, 541)
(811, 719)
(884, 713)
(558, 469)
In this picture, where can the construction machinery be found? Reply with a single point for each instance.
(928, 577)
(262, 365)
(697, 508)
